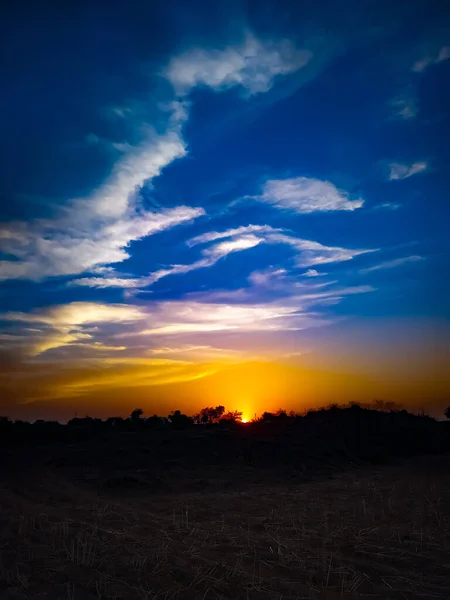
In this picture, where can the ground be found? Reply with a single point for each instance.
(82, 531)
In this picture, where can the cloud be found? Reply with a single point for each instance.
(306, 195)
(313, 273)
(106, 282)
(211, 256)
(401, 171)
(77, 313)
(390, 264)
(212, 236)
(129, 372)
(311, 253)
(245, 312)
(253, 65)
(405, 107)
(64, 325)
(243, 242)
(388, 206)
(308, 253)
(198, 352)
(86, 379)
(185, 317)
(431, 59)
(267, 277)
(96, 231)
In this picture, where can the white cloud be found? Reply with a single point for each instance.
(106, 282)
(308, 253)
(431, 59)
(391, 264)
(253, 65)
(210, 256)
(208, 314)
(243, 242)
(267, 277)
(306, 195)
(212, 236)
(185, 317)
(313, 273)
(313, 253)
(96, 231)
(401, 171)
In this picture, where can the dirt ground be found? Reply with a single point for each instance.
(369, 532)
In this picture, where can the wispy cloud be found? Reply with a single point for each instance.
(107, 282)
(403, 171)
(210, 256)
(311, 253)
(313, 273)
(65, 325)
(391, 264)
(212, 236)
(209, 314)
(307, 253)
(198, 352)
(267, 277)
(127, 372)
(253, 65)
(96, 231)
(405, 107)
(431, 59)
(186, 317)
(77, 313)
(306, 195)
(388, 206)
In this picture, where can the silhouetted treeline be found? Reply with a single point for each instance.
(350, 433)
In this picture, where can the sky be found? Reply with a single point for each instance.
(242, 203)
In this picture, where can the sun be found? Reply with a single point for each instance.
(244, 420)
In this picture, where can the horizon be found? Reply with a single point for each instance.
(238, 417)
(240, 204)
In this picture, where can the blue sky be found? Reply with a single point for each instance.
(186, 189)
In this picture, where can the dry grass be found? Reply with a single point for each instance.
(371, 533)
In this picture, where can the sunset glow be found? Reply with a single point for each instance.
(221, 218)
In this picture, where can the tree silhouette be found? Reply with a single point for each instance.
(136, 415)
(210, 415)
(179, 420)
(447, 412)
(232, 416)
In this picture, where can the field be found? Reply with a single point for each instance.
(77, 525)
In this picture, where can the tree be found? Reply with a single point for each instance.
(281, 413)
(210, 415)
(232, 416)
(179, 420)
(447, 412)
(267, 416)
(386, 406)
(114, 422)
(136, 415)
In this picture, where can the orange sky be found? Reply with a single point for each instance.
(414, 374)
